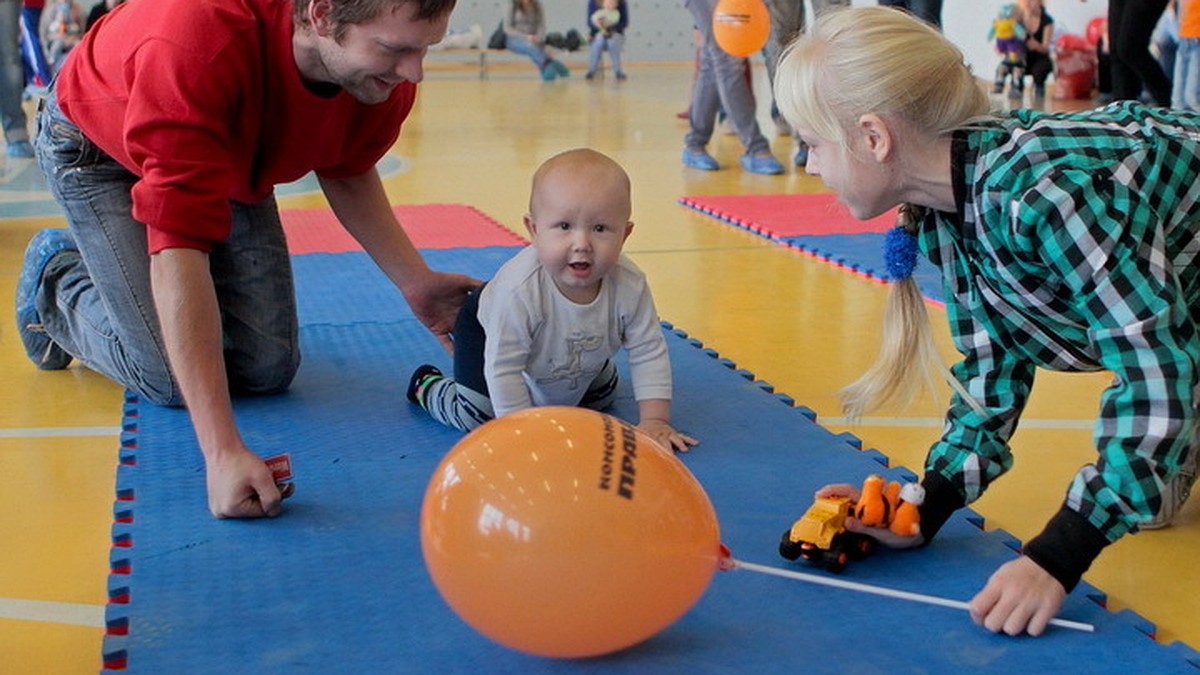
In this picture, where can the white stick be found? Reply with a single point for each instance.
(877, 590)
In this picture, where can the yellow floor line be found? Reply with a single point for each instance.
(73, 613)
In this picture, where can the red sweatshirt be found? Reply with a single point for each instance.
(202, 100)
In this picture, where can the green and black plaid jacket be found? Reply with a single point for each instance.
(1076, 247)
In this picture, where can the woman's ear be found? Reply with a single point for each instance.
(877, 137)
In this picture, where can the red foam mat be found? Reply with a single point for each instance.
(428, 225)
(780, 216)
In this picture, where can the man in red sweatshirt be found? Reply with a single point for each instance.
(163, 139)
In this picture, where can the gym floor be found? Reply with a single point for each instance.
(802, 325)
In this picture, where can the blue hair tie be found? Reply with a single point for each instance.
(900, 253)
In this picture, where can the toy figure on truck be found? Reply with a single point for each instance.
(820, 535)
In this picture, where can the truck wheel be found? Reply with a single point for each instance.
(787, 548)
(861, 547)
(835, 560)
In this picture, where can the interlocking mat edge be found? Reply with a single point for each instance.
(337, 584)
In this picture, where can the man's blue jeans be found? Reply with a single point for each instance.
(97, 304)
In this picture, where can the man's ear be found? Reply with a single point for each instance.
(318, 17)
(530, 227)
(877, 136)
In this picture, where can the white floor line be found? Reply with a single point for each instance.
(59, 432)
(76, 614)
(938, 422)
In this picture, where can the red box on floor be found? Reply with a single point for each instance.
(1075, 65)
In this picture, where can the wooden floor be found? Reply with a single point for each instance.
(799, 324)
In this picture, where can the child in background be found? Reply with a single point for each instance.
(607, 20)
(605, 16)
(1065, 241)
(543, 331)
(1185, 87)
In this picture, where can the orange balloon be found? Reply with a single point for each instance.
(741, 27)
(568, 533)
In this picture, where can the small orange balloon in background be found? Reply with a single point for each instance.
(565, 532)
(741, 27)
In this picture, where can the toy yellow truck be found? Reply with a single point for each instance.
(820, 535)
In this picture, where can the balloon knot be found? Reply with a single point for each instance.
(725, 561)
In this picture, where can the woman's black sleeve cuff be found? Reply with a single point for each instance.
(942, 499)
(1066, 547)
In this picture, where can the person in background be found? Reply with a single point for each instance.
(12, 83)
(1164, 41)
(929, 11)
(63, 31)
(787, 21)
(33, 53)
(721, 85)
(607, 21)
(1104, 93)
(1090, 264)
(525, 33)
(1133, 67)
(1039, 40)
(1185, 87)
(99, 10)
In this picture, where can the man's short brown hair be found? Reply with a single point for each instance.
(347, 12)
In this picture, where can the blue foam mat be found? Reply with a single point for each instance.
(337, 584)
(864, 253)
(861, 253)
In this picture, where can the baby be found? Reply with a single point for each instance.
(544, 330)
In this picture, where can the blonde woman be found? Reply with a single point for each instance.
(1065, 241)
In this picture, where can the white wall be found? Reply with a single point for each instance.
(661, 30)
